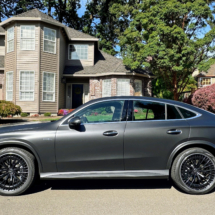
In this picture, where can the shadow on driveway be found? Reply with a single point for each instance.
(99, 184)
(11, 121)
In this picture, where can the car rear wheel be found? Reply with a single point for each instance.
(193, 171)
(17, 171)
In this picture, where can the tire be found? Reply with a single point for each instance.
(193, 171)
(17, 171)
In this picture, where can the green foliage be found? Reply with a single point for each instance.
(47, 114)
(103, 112)
(168, 37)
(24, 114)
(9, 108)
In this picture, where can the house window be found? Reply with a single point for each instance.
(138, 87)
(78, 52)
(26, 84)
(10, 39)
(9, 86)
(106, 88)
(27, 37)
(49, 40)
(205, 82)
(123, 87)
(48, 86)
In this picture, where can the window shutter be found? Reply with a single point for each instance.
(106, 88)
(123, 87)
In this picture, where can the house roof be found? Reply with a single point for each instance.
(210, 73)
(35, 14)
(105, 64)
(1, 61)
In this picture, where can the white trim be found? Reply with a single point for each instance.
(49, 40)
(49, 91)
(6, 86)
(11, 39)
(205, 78)
(84, 39)
(27, 38)
(78, 44)
(28, 90)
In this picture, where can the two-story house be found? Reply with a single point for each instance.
(45, 66)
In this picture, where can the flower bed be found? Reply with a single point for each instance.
(64, 112)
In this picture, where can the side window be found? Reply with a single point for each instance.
(186, 113)
(172, 112)
(110, 111)
(145, 110)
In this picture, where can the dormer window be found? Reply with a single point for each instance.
(27, 37)
(10, 39)
(49, 40)
(78, 52)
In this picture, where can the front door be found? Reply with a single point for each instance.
(150, 136)
(97, 145)
(77, 95)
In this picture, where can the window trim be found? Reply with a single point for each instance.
(79, 44)
(49, 91)
(206, 84)
(27, 38)
(28, 90)
(11, 39)
(49, 40)
(6, 86)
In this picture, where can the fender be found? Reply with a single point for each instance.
(20, 143)
(188, 143)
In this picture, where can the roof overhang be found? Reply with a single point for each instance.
(106, 74)
(1, 33)
(1, 68)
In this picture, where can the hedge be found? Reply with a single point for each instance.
(9, 108)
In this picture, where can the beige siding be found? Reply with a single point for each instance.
(62, 92)
(10, 61)
(212, 80)
(27, 60)
(2, 45)
(88, 62)
(49, 63)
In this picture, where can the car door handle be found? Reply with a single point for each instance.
(110, 133)
(174, 131)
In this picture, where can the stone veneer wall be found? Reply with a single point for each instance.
(96, 86)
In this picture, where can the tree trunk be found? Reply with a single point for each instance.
(176, 96)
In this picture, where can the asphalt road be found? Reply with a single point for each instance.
(106, 197)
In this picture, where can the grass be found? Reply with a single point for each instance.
(99, 118)
(47, 120)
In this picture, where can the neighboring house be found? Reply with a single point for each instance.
(205, 78)
(45, 66)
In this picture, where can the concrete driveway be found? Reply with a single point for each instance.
(106, 197)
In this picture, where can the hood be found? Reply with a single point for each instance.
(25, 127)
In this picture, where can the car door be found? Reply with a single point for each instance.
(97, 145)
(153, 130)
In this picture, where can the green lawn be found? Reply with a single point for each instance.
(99, 118)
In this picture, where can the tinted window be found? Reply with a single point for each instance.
(102, 112)
(172, 112)
(143, 110)
(186, 113)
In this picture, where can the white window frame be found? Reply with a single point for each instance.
(49, 40)
(26, 90)
(49, 91)
(103, 87)
(26, 38)
(141, 86)
(81, 45)
(10, 39)
(117, 86)
(206, 84)
(6, 87)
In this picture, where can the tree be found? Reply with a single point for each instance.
(5, 9)
(9, 108)
(168, 37)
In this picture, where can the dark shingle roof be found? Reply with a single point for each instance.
(104, 63)
(2, 30)
(1, 61)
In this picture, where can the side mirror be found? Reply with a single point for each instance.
(74, 122)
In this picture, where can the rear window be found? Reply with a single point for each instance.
(186, 113)
(172, 112)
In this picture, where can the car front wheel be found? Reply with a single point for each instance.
(17, 171)
(193, 171)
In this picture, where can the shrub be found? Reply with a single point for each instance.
(64, 112)
(188, 100)
(47, 114)
(135, 111)
(24, 114)
(9, 108)
(70, 110)
(35, 115)
(104, 112)
(205, 98)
